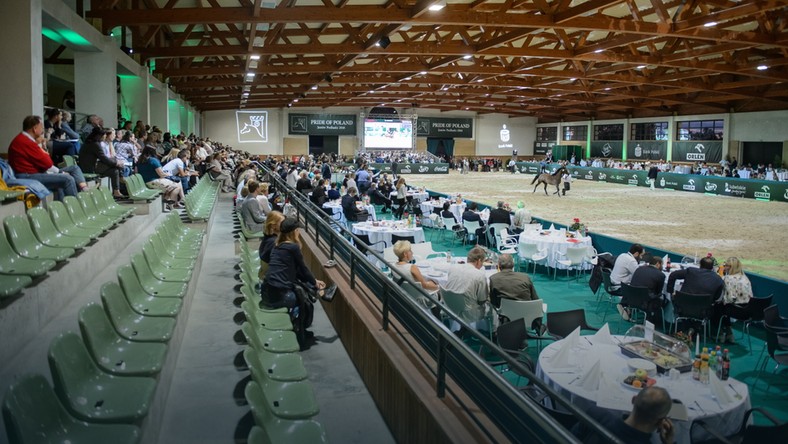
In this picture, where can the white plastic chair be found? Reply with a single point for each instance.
(496, 230)
(471, 227)
(574, 259)
(507, 244)
(530, 252)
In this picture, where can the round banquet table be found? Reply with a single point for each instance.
(437, 269)
(336, 208)
(418, 196)
(384, 232)
(612, 395)
(554, 242)
(429, 207)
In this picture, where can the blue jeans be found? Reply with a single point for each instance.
(61, 184)
(184, 180)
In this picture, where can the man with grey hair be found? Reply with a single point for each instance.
(510, 284)
(499, 215)
(470, 280)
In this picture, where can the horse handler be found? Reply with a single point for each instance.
(566, 179)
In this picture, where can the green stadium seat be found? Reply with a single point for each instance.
(66, 225)
(153, 244)
(270, 340)
(138, 191)
(148, 305)
(268, 321)
(161, 273)
(33, 414)
(278, 430)
(90, 394)
(49, 235)
(114, 354)
(131, 325)
(278, 366)
(24, 241)
(288, 400)
(91, 210)
(156, 259)
(12, 263)
(254, 297)
(172, 248)
(81, 219)
(154, 286)
(11, 285)
(106, 204)
(131, 284)
(10, 195)
(257, 436)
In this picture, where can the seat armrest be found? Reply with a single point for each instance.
(710, 431)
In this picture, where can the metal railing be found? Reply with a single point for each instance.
(517, 416)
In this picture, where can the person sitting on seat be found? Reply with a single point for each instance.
(702, 280)
(377, 198)
(650, 410)
(177, 169)
(251, 211)
(651, 277)
(303, 184)
(499, 215)
(624, 268)
(349, 208)
(471, 215)
(270, 234)
(470, 280)
(513, 285)
(333, 193)
(149, 168)
(738, 292)
(404, 253)
(92, 159)
(522, 217)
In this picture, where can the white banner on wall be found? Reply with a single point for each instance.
(252, 126)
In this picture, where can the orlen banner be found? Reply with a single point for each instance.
(697, 151)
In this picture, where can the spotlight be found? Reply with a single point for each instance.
(384, 42)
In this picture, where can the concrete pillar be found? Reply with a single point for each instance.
(158, 109)
(134, 98)
(95, 85)
(174, 113)
(22, 75)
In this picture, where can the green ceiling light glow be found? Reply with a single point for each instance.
(73, 37)
(150, 85)
(127, 76)
(51, 34)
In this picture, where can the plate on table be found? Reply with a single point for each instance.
(423, 265)
(648, 366)
(435, 274)
(631, 382)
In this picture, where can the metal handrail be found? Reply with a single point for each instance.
(452, 356)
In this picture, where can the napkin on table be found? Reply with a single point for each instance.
(718, 389)
(552, 227)
(590, 379)
(603, 336)
(561, 357)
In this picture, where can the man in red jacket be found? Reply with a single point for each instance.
(30, 161)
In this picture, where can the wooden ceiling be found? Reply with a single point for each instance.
(552, 59)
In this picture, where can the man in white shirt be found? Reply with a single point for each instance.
(470, 280)
(624, 268)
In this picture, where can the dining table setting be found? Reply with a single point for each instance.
(554, 242)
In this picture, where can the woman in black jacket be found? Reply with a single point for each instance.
(92, 159)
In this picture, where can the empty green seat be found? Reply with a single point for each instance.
(11, 285)
(173, 249)
(12, 263)
(278, 430)
(85, 199)
(269, 321)
(113, 353)
(154, 286)
(131, 284)
(24, 241)
(285, 399)
(80, 218)
(137, 189)
(257, 436)
(33, 414)
(174, 225)
(90, 394)
(270, 340)
(131, 325)
(278, 366)
(49, 235)
(106, 204)
(10, 195)
(160, 272)
(145, 304)
(168, 256)
(65, 225)
(163, 259)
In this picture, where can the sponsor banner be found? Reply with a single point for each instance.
(681, 182)
(423, 168)
(697, 151)
(528, 167)
(605, 149)
(322, 124)
(444, 127)
(383, 167)
(647, 150)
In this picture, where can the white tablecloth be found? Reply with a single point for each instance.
(724, 418)
(416, 195)
(682, 169)
(553, 243)
(429, 207)
(384, 232)
(744, 174)
(336, 207)
(782, 175)
(437, 269)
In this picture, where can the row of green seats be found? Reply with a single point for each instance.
(32, 245)
(73, 160)
(105, 379)
(280, 396)
(138, 191)
(201, 199)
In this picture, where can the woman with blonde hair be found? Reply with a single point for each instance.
(737, 294)
(404, 253)
(402, 192)
(270, 233)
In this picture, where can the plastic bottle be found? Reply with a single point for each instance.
(713, 362)
(696, 368)
(726, 366)
(704, 366)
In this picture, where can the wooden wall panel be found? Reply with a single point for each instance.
(295, 146)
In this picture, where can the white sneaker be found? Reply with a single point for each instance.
(623, 312)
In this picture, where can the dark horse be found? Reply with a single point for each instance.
(549, 179)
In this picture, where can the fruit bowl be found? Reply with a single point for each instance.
(638, 382)
(637, 363)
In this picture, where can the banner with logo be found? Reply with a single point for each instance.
(611, 148)
(647, 150)
(697, 151)
(444, 127)
(383, 167)
(423, 168)
(322, 124)
(252, 126)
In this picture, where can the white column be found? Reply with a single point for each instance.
(158, 109)
(134, 98)
(95, 85)
(22, 75)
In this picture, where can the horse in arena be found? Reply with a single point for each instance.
(549, 179)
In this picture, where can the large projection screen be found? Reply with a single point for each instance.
(382, 133)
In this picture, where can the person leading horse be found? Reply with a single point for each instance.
(549, 179)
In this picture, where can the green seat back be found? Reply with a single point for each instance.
(66, 225)
(151, 284)
(128, 323)
(277, 366)
(46, 232)
(79, 216)
(269, 321)
(12, 263)
(281, 430)
(25, 242)
(69, 160)
(31, 411)
(11, 285)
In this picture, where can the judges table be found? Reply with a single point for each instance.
(723, 415)
(336, 208)
(553, 242)
(382, 231)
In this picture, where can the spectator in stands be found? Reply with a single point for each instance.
(126, 152)
(303, 185)
(29, 160)
(65, 125)
(60, 146)
(166, 144)
(513, 285)
(522, 217)
(251, 212)
(625, 267)
(289, 279)
(470, 280)
(10, 179)
(701, 280)
(178, 169)
(378, 198)
(93, 121)
(350, 209)
(325, 172)
(650, 410)
(651, 277)
(270, 233)
(154, 177)
(216, 172)
(262, 198)
(318, 196)
(363, 179)
(68, 100)
(471, 214)
(92, 159)
(350, 182)
(402, 193)
(499, 215)
(404, 253)
(292, 176)
(738, 292)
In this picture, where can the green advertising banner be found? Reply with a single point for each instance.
(444, 127)
(322, 124)
(647, 150)
(527, 167)
(423, 168)
(607, 148)
(697, 151)
(384, 167)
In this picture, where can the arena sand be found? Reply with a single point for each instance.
(686, 223)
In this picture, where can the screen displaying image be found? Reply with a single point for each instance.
(381, 133)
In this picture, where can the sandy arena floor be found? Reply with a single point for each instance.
(756, 232)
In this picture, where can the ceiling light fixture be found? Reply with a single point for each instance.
(598, 51)
(249, 74)
(572, 79)
(467, 56)
(314, 87)
(440, 4)
(641, 66)
(424, 73)
(254, 57)
(295, 100)
(762, 67)
(406, 27)
(710, 24)
(607, 89)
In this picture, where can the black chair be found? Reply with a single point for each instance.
(512, 338)
(395, 239)
(538, 396)
(749, 313)
(776, 341)
(607, 288)
(693, 307)
(748, 433)
(365, 244)
(639, 301)
(562, 323)
(772, 318)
